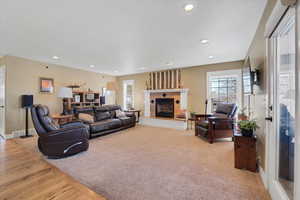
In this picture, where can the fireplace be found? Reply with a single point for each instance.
(164, 107)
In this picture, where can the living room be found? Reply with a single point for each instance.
(160, 100)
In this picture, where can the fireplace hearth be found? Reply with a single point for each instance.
(164, 107)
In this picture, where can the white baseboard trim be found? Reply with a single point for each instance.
(19, 133)
(263, 177)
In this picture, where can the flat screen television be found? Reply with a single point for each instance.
(247, 79)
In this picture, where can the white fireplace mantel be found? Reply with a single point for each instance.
(183, 98)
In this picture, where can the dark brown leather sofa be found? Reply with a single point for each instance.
(58, 141)
(105, 120)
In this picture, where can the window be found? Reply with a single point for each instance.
(128, 91)
(223, 86)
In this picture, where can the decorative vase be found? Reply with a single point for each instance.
(247, 133)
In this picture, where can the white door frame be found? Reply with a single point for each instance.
(275, 189)
(297, 146)
(2, 134)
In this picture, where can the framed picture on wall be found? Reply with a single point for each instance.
(47, 85)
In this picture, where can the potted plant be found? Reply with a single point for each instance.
(242, 114)
(247, 127)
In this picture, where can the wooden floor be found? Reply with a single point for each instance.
(25, 175)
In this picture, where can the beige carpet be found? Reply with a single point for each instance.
(148, 163)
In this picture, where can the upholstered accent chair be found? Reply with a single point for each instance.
(58, 141)
(217, 125)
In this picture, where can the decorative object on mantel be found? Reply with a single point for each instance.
(169, 79)
(46, 85)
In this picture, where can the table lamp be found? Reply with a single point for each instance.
(66, 94)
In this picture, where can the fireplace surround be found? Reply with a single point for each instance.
(164, 107)
(180, 97)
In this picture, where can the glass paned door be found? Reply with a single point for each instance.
(282, 92)
(286, 102)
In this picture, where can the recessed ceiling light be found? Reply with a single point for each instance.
(55, 57)
(142, 68)
(188, 7)
(204, 41)
(92, 66)
(116, 71)
(210, 57)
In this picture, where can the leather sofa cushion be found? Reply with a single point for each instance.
(105, 125)
(126, 120)
(102, 116)
(86, 110)
(107, 108)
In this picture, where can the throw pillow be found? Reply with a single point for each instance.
(120, 113)
(86, 117)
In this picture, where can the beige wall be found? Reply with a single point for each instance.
(193, 78)
(1, 60)
(257, 56)
(23, 78)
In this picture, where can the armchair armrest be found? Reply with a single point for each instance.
(63, 134)
(202, 116)
(219, 119)
(219, 122)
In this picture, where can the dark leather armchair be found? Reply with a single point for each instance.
(58, 141)
(217, 125)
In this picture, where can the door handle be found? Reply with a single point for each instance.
(269, 119)
(293, 140)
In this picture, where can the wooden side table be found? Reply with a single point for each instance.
(245, 152)
(61, 119)
(138, 112)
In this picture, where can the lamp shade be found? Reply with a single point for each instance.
(65, 92)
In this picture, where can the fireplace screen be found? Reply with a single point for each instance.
(164, 107)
